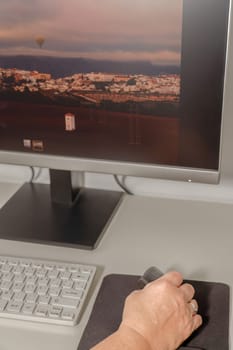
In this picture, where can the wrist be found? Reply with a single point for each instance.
(131, 339)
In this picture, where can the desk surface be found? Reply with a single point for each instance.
(194, 237)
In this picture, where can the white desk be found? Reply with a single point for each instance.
(193, 237)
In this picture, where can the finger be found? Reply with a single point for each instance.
(197, 321)
(188, 291)
(174, 277)
(193, 305)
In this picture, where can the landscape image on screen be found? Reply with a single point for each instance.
(94, 79)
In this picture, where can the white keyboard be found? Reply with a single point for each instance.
(43, 291)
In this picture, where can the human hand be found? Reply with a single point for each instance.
(164, 313)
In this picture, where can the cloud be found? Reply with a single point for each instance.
(16, 13)
(146, 28)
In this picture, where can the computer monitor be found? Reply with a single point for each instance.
(125, 87)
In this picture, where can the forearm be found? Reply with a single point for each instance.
(123, 339)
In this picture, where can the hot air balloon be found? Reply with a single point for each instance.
(40, 41)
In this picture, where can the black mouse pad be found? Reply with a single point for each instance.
(213, 300)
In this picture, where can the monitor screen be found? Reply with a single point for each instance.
(124, 86)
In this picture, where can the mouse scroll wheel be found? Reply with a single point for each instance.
(151, 274)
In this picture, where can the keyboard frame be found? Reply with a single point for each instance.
(48, 265)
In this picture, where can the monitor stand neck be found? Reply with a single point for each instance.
(65, 186)
(62, 213)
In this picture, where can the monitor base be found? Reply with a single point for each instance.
(31, 216)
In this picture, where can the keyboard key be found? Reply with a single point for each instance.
(80, 285)
(44, 299)
(5, 285)
(68, 302)
(14, 306)
(19, 296)
(7, 295)
(55, 311)
(28, 308)
(31, 298)
(41, 310)
(67, 314)
(29, 288)
(72, 293)
(3, 303)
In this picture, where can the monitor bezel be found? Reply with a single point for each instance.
(176, 173)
